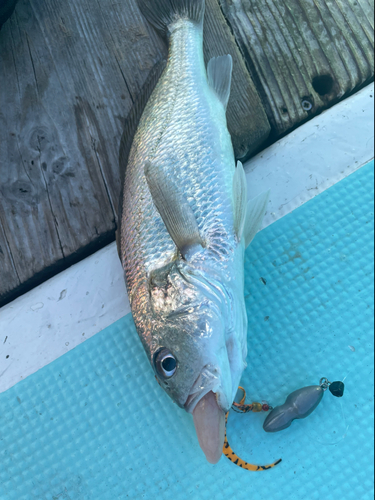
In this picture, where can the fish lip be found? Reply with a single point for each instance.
(193, 399)
(208, 372)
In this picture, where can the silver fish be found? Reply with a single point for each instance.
(185, 225)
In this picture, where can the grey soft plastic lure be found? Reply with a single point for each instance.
(300, 404)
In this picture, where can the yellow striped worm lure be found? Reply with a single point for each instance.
(241, 407)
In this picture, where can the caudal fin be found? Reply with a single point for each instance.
(163, 13)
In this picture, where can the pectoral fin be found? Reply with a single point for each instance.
(219, 74)
(174, 209)
(255, 211)
(240, 199)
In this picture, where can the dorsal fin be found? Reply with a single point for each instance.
(130, 128)
(240, 199)
(255, 211)
(219, 74)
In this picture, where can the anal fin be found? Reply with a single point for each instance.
(240, 199)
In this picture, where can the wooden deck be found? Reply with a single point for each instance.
(70, 71)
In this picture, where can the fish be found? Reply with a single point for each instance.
(184, 225)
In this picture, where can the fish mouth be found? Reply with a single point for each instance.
(204, 402)
(208, 380)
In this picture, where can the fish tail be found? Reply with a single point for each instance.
(163, 13)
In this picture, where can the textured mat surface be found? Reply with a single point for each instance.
(95, 425)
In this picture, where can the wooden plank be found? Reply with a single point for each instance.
(63, 99)
(6, 10)
(247, 120)
(9, 278)
(69, 73)
(304, 55)
(27, 217)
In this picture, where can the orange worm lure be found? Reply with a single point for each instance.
(241, 407)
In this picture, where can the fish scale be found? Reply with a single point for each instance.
(185, 151)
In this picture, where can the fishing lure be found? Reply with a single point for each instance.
(298, 405)
(241, 407)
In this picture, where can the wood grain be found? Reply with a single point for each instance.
(69, 73)
(247, 120)
(9, 278)
(303, 55)
(6, 10)
(63, 99)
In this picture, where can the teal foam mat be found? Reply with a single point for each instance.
(94, 424)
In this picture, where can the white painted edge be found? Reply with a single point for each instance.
(315, 156)
(60, 314)
(63, 312)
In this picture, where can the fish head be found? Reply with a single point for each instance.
(196, 351)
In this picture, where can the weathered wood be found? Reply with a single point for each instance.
(304, 55)
(247, 120)
(69, 73)
(63, 98)
(6, 10)
(9, 278)
(25, 131)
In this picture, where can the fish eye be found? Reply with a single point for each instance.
(165, 363)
